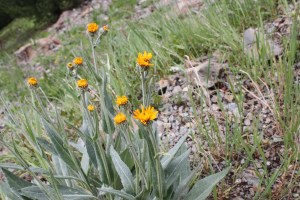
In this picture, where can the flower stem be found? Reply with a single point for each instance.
(143, 78)
(94, 56)
(135, 156)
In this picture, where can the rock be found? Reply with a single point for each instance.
(205, 74)
(25, 53)
(247, 122)
(183, 7)
(183, 114)
(251, 177)
(229, 97)
(250, 46)
(45, 46)
(215, 107)
(171, 118)
(231, 107)
(176, 89)
(160, 127)
(295, 195)
(185, 89)
(268, 120)
(249, 36)
(237, 198)
(161, 86)
(214, 99)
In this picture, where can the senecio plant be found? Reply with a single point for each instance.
(115, 154)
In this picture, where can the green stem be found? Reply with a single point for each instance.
(94, 57)
(135, 156)
(158, 166)
(41, 105)
(143, 78)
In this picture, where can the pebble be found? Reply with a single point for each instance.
(177, 89)
(180, 109)
(185, 89)
(268, 121)
(238, 181)
(215, 107)
(229, 97)
(247, 122)
(214, 99)
(296, 195)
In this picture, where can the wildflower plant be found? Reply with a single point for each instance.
(115, 153)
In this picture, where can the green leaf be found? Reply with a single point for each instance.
(58, 144)
(15, 166)
(108, 108)
(170, 155)
(47, 145)
(175, 167)
(116, 193)
(85, 160)
(8, 192)
(123, 171)
(91, 152)
(67, 193)
(34, 192)
(184, 185)
(14, 181)
(126, 157)
(203, 188)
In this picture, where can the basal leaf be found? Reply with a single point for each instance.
(170, 155)
(119, 193)
(203, 188)
(123, 171)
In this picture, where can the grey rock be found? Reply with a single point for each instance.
(249, 36)
(177, 89)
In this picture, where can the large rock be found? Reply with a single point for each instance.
(206, 73)
(251, 47)
(29, 51)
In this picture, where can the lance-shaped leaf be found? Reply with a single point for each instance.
(118, 193)
(14, 181)
(10, 193)
(170, 155)
(58, 144)
(175, 167)
(203, 188)
(15, 166)
(34, 192)
(123, 171)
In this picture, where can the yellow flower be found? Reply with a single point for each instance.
(144, 59)
(105, 28)
(91, 108)
(70, 65)
(82, 83)
(120, 118)
(121, 100)
(92, 27)
(78, 61)
(145, 114)
(32, 81)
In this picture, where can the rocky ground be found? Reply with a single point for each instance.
(200, 99)
(205, 106)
